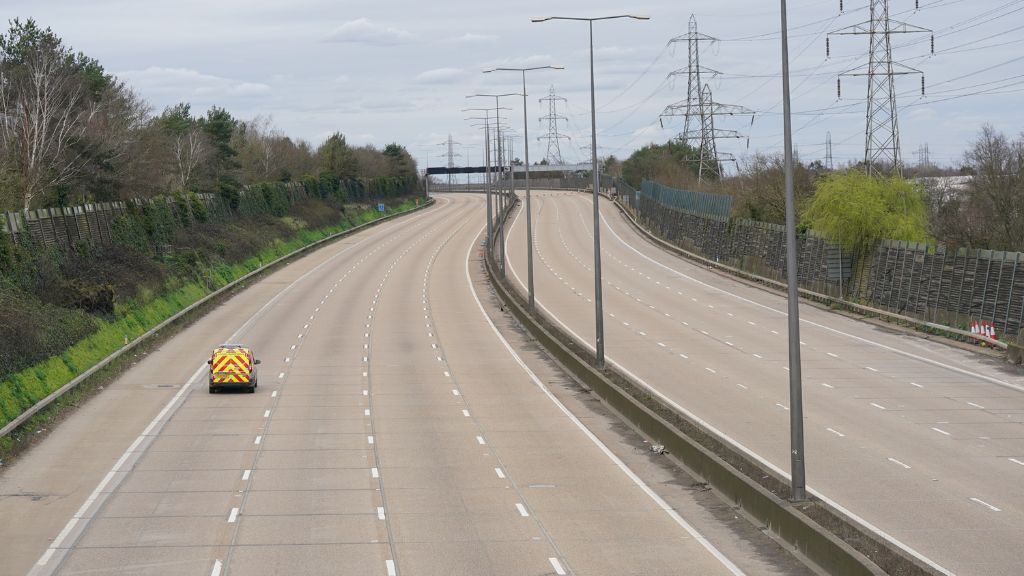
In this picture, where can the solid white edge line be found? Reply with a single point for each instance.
(700, 421)
(59, 540)
(586, 431)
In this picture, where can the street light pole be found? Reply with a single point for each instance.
(501, 195)
(487, 182)
(798, 491)
(598, 300)
(487, 185)
(598, 292)
(526, 156)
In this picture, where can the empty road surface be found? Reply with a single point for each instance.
(922, 440)
(394, 431)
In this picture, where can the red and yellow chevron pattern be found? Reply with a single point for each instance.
(231, 366)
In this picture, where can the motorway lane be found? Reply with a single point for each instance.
(178, 508)
(927, 452)
(392, 433)
(48, 484)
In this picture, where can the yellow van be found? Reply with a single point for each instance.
(232, 366)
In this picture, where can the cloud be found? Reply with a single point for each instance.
(470, 38)
(363, 31)
(180, 83)
(440, 75)
(608, 52)
(522, 62)
(384, 105)
(648, 131)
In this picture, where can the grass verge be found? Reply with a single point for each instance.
(23, 389)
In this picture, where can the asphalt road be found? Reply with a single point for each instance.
(922, 440)
(394, 431)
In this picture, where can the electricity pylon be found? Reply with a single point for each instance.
(690, 108)
(882, 133)
(450, 144)
(554, 151)
(699, 108)
(828, 151)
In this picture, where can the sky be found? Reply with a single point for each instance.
(400, 71)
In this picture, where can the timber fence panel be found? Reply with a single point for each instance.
(1009, 327)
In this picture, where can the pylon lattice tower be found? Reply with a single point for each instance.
(708, 149)
(554, 151)
(923, 156)
(690, 108)
(452, 155)
(882, 134)
(699, 108)
(828, 151)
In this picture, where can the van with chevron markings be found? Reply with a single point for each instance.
(232, 366)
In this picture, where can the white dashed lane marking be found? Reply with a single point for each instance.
(898, 463)
(985, 504)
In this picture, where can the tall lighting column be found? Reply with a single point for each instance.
(798, 491)
(497, 123)
(598, 301)
(526, 155)
(487, 181)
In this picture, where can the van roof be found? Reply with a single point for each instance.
(230, 347)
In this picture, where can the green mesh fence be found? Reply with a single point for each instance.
(718, 205)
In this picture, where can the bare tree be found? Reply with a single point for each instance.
(996, 192)
(46, 106)
(260, 148)
(189, 147)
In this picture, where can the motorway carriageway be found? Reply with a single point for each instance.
(395, 430)
(921, 440)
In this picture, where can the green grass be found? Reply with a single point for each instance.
(133, 318)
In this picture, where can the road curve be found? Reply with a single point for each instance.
(394, 431)
(922, 440)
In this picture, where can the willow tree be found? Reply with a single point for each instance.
(857, 210)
